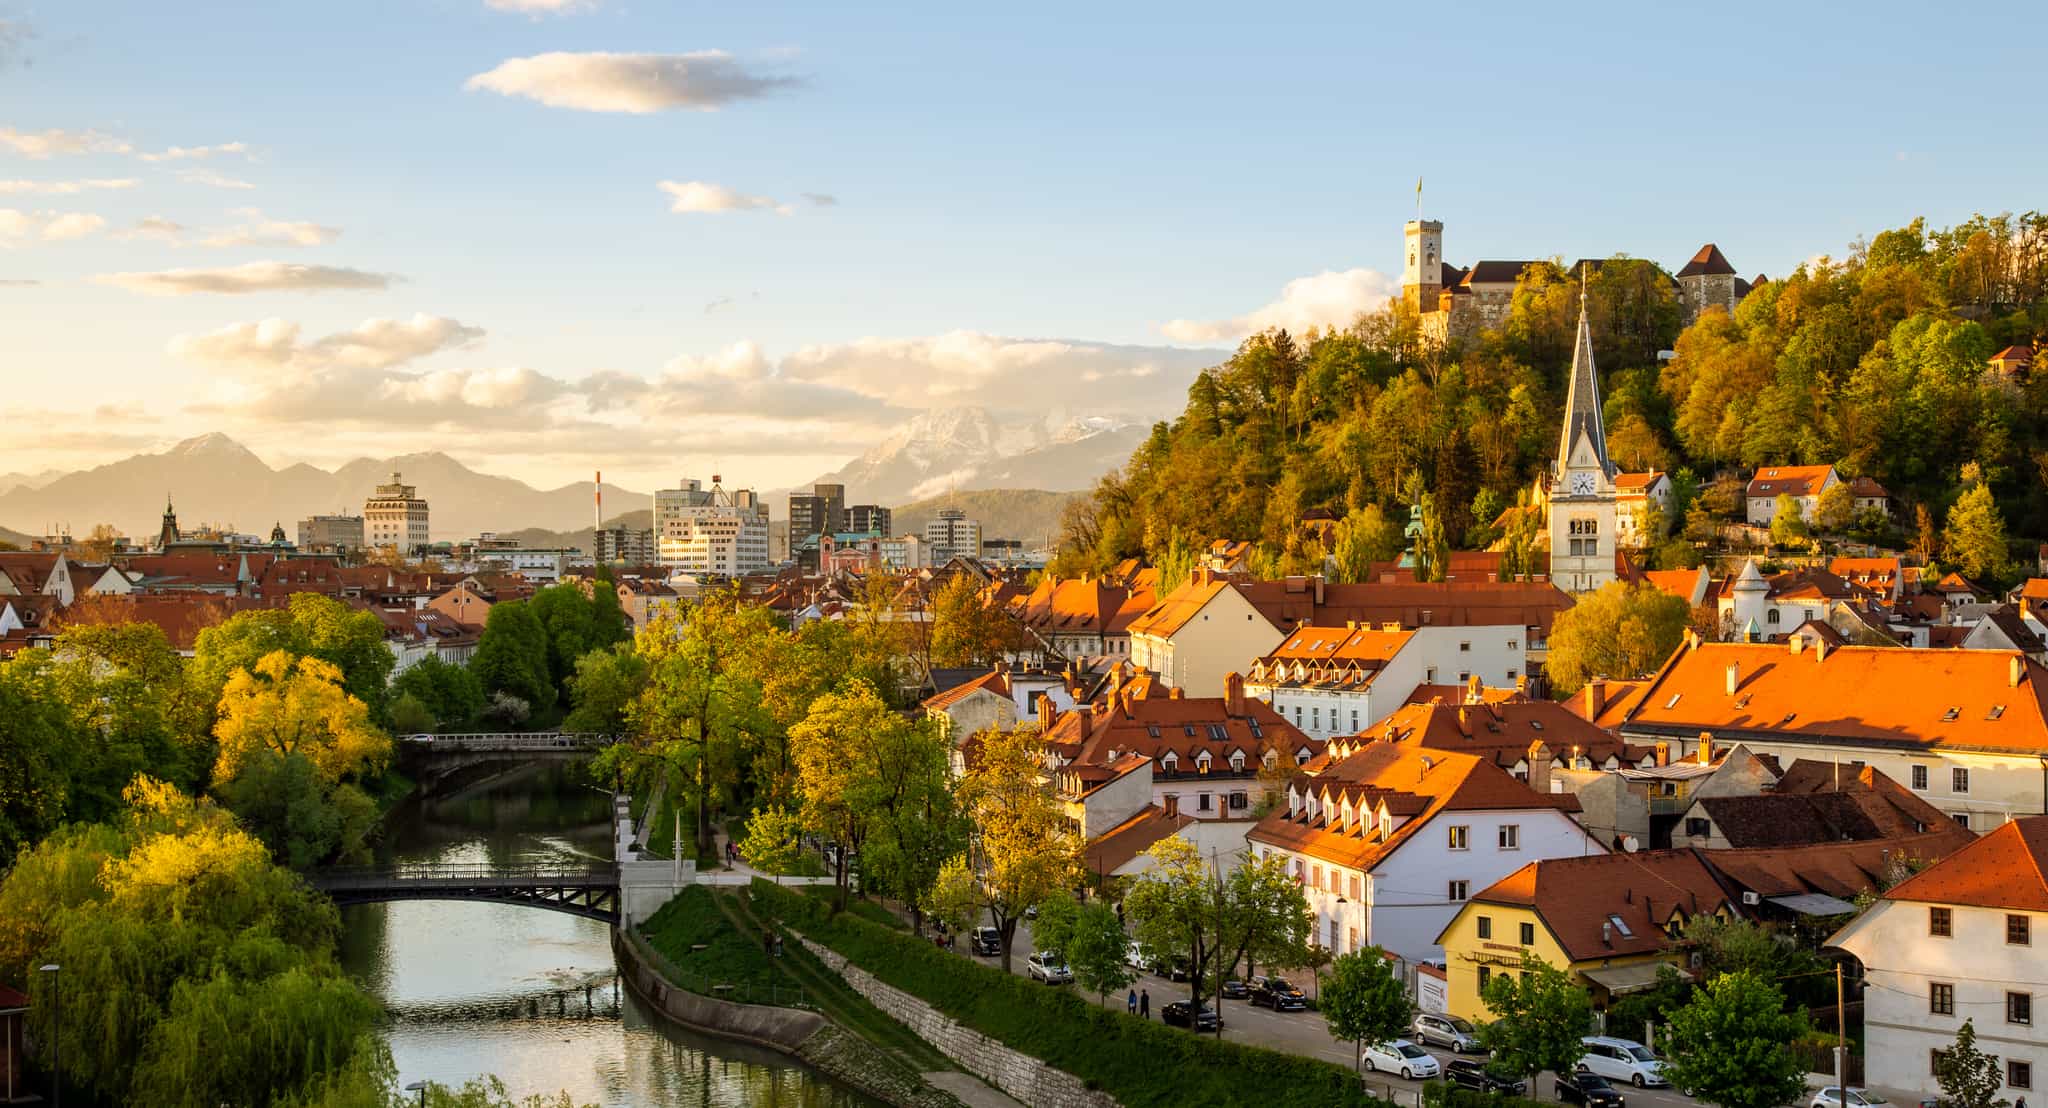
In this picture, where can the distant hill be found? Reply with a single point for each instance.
(214, 479)
(15, 537)
(578, 538)
(1032, 515)
(970, 448)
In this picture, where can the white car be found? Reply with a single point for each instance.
(1402, 1057)
(1049, 967)
(1831, 1097)
(1622, 1060)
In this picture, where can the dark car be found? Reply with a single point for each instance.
(1276, 993)
(1232, 989)
(1183, 1014)
(1589, 1089)
(1473, 1075)
(1173, 969)
(985, 941)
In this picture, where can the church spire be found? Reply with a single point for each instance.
(1582, 398)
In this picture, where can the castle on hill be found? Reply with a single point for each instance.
(1457, 303)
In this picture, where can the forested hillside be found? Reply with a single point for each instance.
(1876, 363)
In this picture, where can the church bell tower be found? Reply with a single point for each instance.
(1582, 502)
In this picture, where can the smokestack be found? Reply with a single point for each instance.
(598, 524)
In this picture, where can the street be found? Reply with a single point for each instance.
(1297, 1032)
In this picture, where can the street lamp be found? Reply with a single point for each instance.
(56, 1034)
(419, 1087)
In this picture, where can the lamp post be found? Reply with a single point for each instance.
(56, 1034)
(419, 1087)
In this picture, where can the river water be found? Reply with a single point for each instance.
(534, 996)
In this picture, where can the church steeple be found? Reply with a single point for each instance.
(169, 532)
(1582, 401)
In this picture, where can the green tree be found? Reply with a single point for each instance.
(864, 771)
(297, 705)
(1267, 921)
(1788, 521)
(1731, 1044)
(603, 689)
(1363, 537)
(1969, 1078)
(303, 816)
(569, 619)
(1177, 907)
(1836, 509)
(1090, 938)
(38, 760)
(1022, 849)
(966, 629)
(311, 626)
(1364, 1001)
(450, 693)
(1624, 630)
(1975, 536)
(411, 716)
(774, 840)
(1539, 1017)
(512, 655)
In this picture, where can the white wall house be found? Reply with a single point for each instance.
(1332, 681)
(1802, 483)
(1963, 939)
(1390, 842)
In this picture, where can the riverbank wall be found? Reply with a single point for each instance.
(803, 1035)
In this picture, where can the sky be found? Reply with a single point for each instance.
(552, 236)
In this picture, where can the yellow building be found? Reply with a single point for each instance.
(1607, 919)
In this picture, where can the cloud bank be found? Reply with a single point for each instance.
(373, 344)
(704, 81)
(249, 277)
(1327, 299)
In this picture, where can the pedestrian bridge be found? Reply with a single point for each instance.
(590, 891)
(510, 742)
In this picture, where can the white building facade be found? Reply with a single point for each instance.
(395, 518)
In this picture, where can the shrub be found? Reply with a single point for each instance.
(1143, 1063)
(1443, 1094)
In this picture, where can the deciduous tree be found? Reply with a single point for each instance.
(296, 705)
(1969, 1078)
(1624, 630)
(1975, 536)
(1363, 1000)
(1539, 1015)
(1021, 849)
(512, 655)
(1731, 1044)
(1090, 938)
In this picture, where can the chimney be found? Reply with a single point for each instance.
(1795, 642)
(1663, 753)
(1596, 697)
(2015, 670)
(1233, 694)
(1046, 713)
(1172, 806)
(1116, 680)
(1734, 677)
(1319, 590)
(1820, 650)
(1606, 933)
(1176, 693)
(1464, 725)
(1706, 748)
(1539, 767)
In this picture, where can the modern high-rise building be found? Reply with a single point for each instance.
(395, 518)
(335, 534)
(821, 512)
(869, 519)
(627, 545)
(712, 531)
(952, 535)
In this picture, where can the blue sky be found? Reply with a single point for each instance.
(996, 175)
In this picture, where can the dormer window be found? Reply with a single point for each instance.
(1237, 761)
(1169, 761)
(1202, 762)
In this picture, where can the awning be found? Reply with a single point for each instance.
(1814, 904)
(1631, 978)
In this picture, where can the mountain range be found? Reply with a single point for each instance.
(955, 449)
(214, 479)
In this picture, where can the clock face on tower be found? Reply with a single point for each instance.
(1582, 484)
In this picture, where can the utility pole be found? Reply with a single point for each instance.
(1841, 1038)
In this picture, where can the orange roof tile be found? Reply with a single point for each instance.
(1134, 836)
(996, 681)
(1613, 905)
(1789, 480)
(2007, 868)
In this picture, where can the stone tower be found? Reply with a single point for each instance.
(1582, 503)
(1422, 272)
(168, 534)
(1752, 600)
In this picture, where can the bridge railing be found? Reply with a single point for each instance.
(534, 873)
(496, 741)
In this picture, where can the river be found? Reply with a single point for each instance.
(530, 995)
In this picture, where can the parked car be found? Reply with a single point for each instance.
(1049, 967)
(1173, 969)
(1276, 993)
(1589, 1089)
(986, 941)
(1233, 989)
(1183, 1014)
(1622, 1060)
(1473, 1075)
(1402, 1057)
(1831, 1097)
(1448, 1031)
(1135, 956)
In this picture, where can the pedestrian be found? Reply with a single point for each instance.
(1144, 1004)
(1131, 1003)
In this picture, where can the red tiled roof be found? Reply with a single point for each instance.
(1132, 837)
(2019, 354)
(1789, 480)
(1635, 482)
(1709, 262)
(2007, 868)
(1502, 732)
(1613, 905)
(1887, 696)
(995, 681)
(1293, 602)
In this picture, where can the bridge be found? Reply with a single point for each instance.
(510, 742)
(589, 891)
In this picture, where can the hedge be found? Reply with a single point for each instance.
(1443, 1094)
(1142, 1063)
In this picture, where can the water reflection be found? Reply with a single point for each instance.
(530, 995)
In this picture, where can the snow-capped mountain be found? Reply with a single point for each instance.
(950, 449)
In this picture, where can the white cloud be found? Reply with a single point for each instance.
(703, 196)
(821, 199)
(152, 227)
(374, 344)
(1328, 299)
(44, 144)
(214, 180)
(247, 278)
(971, 367)
(540, 7)
(68, 188)
(259, 230)
(17, 225)
(703, 81)
(195, 153)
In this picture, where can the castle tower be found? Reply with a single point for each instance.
(1582, 501)
(1752, 599)
(1422, 271)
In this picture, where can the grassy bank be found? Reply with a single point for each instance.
(1142, 1063)
(707, 953)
